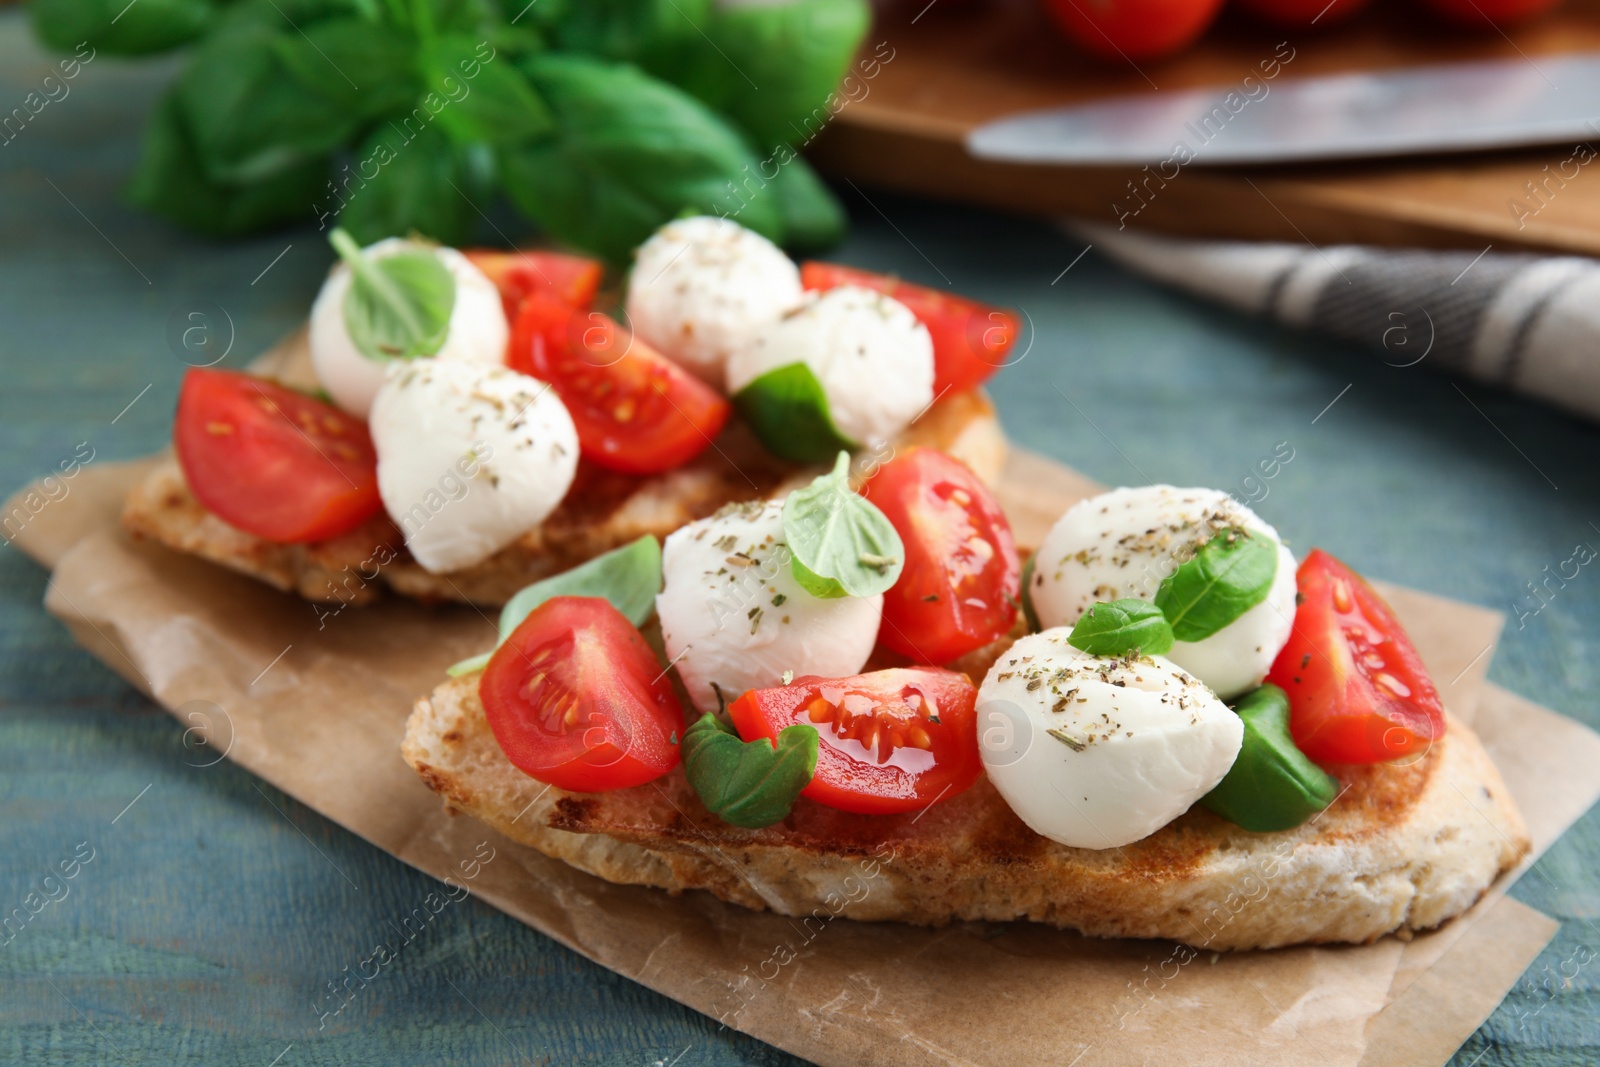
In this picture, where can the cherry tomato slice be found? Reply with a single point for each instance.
(636, 411)
(970, 340)
(572, 279)
(894, 740)
(273, 462)
(577, 700)
(1134, 29)
(961, 580)
(1358, 692)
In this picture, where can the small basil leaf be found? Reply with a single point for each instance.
(398, 306)
(1272, 784)
(748, 783)
(815, 584)
(1229, 574)
(629, 577)
(1027, 594)
(1122, 626)
(788, 411)
(836, 533)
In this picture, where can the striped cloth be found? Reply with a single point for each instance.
(1527, 323)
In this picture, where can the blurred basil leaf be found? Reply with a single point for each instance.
(363, 69)
(171, 182)
(248, 117)
(487, 98)
(418, 182)
(630, 153)
(116, 28)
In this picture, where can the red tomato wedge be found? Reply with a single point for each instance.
(273, 462)
(577, 700)
(895, 740)
(961, 580)
(1134, 29)
(572, 279)
(970, 340)
(1358, 692)
(636, 411)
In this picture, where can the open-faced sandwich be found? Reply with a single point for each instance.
(458, 425)
(1161, 727)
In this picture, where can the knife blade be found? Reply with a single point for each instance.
(1445, 108)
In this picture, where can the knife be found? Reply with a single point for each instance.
(1452, 107)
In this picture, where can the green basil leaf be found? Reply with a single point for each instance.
(748, 783)
(485, 99)
(1272, 784)
(630, 153)
(842, 544)
(788, 411)
(629, 577)
(796, 51)
(419, 183)
(398, 306)
(1122, 626)
(170, 181)
(249, 118)
(812, 216)
(1229, 574)
(649, 33)
(115, 28)
(364, 69)
(1028, 613)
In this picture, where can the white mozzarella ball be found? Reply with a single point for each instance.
(470, 457)
(701, 287)
(734, 618)
(478, 331)
(872, 356)
(1096, 752)
(1124, 543)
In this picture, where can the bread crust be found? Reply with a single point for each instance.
(603, 510)
(1404, 849)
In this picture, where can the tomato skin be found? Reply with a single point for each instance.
(605, 714)
(1303, 14)
(572, 279)
(271, 461)
(849, 775)
(1358, 691)
(635, 410)
(970, 339)
(962, 577)
(1134, 29)
(1488, 14)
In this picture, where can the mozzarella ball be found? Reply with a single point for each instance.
(478, 331)
(1124, 543)
(872, 356)
(470, 457)
(734, 618)
(702, 287)
(1096, 752)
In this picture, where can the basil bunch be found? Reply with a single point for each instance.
(600, 120)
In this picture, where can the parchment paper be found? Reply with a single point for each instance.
(317, 707)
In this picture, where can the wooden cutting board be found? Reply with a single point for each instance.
(953, 64)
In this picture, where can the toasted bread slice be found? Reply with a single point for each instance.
(1404, 848)
(603, 510)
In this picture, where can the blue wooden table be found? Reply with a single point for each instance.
(215, 910)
